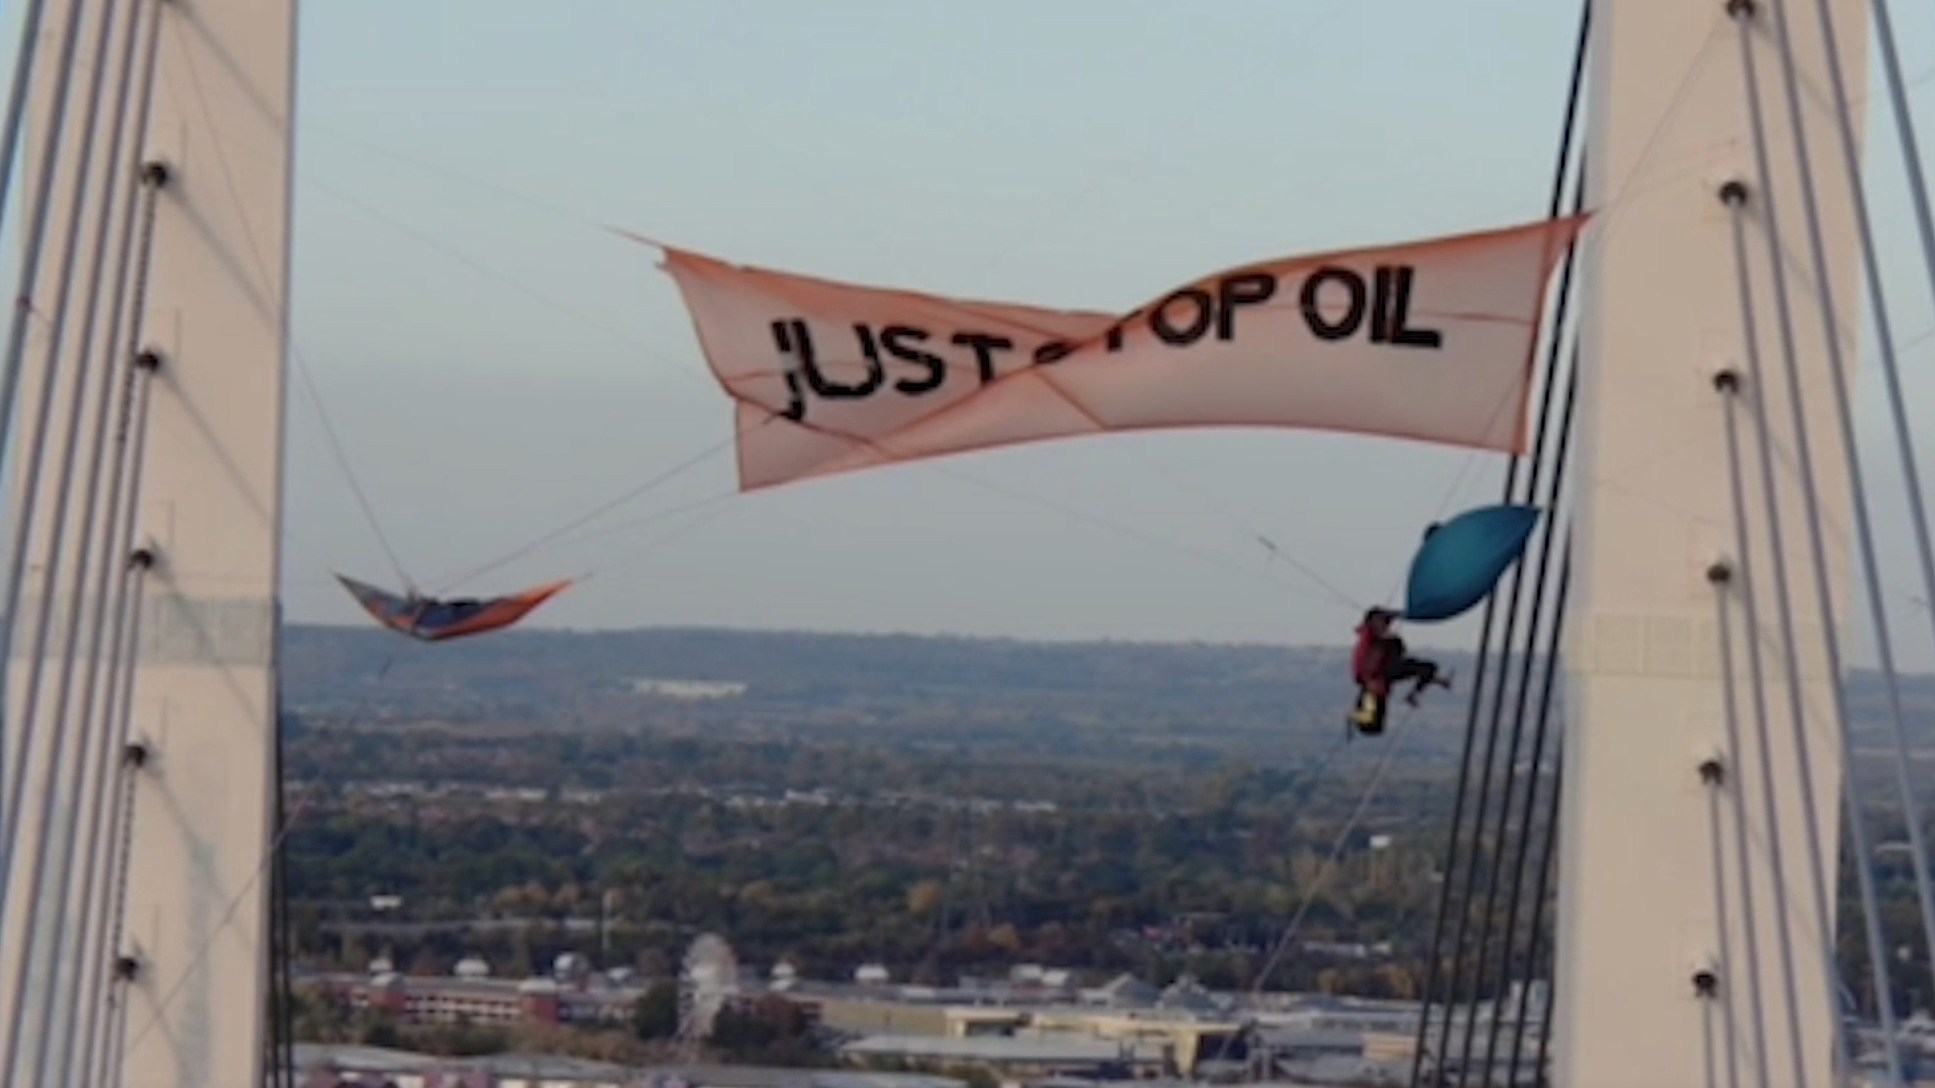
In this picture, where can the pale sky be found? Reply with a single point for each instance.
(497, 365)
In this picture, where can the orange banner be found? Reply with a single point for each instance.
(1430, 341)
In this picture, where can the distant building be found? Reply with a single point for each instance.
(1123, 992)
(1182, 1038)
(1025, 1025)
(570, 967)
(478, 1000)
(1035, 976)
(1032, 1056)
(688, 689)
(319, 1066)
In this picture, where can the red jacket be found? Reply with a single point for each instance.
(1368, 659)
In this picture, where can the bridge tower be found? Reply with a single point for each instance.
(1644, 980)
(179, 362)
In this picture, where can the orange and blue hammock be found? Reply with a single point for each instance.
(434, 619)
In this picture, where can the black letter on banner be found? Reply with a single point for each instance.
(1113, 341)
(1054, 351)
(1381, 304)
(1198, 325)
(876, 372)
(796, 406)
(1243, 289)
(894, 338)
(1314, 317)
(801, 342)
(1401, 312)
(984, 348)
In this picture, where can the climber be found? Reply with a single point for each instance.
(1378, 661)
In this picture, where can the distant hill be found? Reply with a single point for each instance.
(318, 660)
(1221, 697)
(1188, 701)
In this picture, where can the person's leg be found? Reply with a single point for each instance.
(1421, 672)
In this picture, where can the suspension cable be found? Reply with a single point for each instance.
(137, 391)
(280, 1063)
(630, 494)
(1707, 1046)
(29, 276)
(1736, 198)
(1330, 861)
(1433, 963)
(137, 367)
(1446, 871)
(1714, 773)
(264, 868)
(107, 1030)
(42, 203)
(286, 963)
(1535, 930)
(1904, 446)
(1555, 487)
(1549, 852)
(1312, 773)
(96, 873)
(1555, 325)
(1540, 730)
(29, 720)
(100, 1038)
(1728, 384)
(1910, 147)
(1857, 831)
(80, 786)
(23, 69)
(1783, 607)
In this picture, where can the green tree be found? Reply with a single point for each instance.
(924, 898)
(656, 1014)
(378, 1028)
